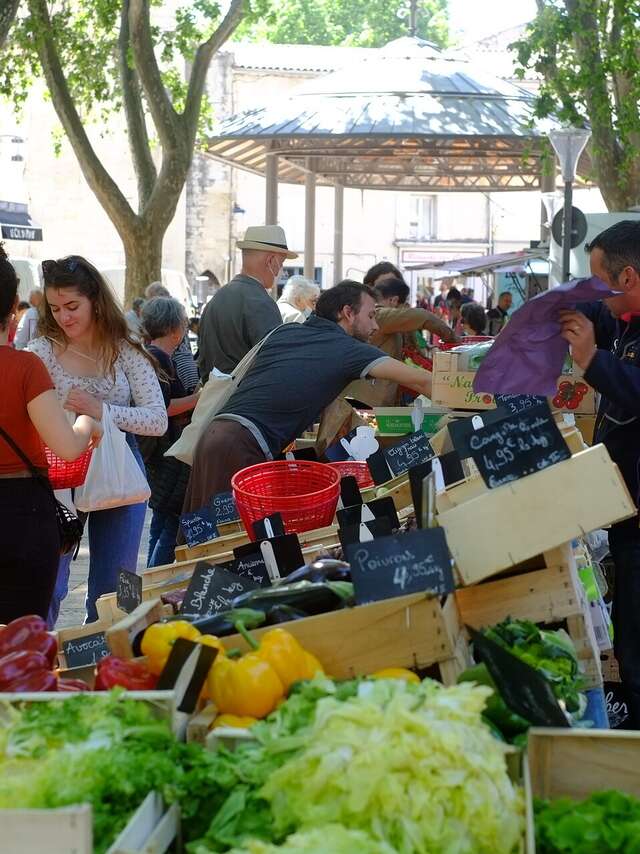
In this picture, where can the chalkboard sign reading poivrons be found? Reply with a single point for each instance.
(518, 445)
(89, 649)
(396, 566)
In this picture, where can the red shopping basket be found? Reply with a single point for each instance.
(357, 469)
(65, 475)
(304, 493)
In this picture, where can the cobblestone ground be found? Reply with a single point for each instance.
(72, 611)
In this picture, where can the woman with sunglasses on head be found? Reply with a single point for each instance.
(93, 361)
(30, 414)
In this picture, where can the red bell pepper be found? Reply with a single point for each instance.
(72, 685)
(36, 680)
(20, 663)
(15, 635)
(133, 675)
(45, 643)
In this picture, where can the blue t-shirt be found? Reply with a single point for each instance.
(298, 372)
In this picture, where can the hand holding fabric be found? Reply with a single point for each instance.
(578, 331)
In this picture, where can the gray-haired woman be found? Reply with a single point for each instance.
(298, 299)
(164, 322)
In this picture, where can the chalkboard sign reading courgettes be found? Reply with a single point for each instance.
(396, 566)
(89, 649)
(518, 445)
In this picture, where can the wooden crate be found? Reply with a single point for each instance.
(414, 631)
(503, 527)
(77, 633)
(551, 594)
(120, 636)
(454, 388)
(152, 829)
(575, 763)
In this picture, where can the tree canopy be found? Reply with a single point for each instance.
(362, 23)
(587, 53)
(103, 56)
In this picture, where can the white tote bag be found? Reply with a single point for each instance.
(114, 478)
(213, 398)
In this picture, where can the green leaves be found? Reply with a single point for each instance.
(362, 23)
(607, 822)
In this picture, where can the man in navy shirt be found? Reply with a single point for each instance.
(298, 372)
(605, 343)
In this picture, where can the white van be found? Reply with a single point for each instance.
(29, 273)
(175, 282)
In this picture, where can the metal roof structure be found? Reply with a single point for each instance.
(483, 263)
(404, 117)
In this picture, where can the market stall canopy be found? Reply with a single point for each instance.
(406, 116)
(16, 223)
(502, 262)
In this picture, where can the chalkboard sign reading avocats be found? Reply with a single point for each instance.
(411, 451)
(396, 566)
(89, 649)
(211, 590)
(223, 508)
(198, 527)
(128, 591)
(518, 445)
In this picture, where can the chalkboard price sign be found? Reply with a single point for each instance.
(411, 451)
(518, 445)
(198, 527)
(212, 588)
(396, 566)
(515, 403)
(128, 591)
(223, 508)
(90, 649)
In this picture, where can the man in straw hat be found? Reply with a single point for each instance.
(242, 312)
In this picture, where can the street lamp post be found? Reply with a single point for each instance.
(568, 144)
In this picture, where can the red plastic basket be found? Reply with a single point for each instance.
(65, 475)
(304, 493)
(357, 469)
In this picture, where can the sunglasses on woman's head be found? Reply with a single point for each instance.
(52, 270)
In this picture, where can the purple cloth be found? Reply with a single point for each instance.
(528, 354)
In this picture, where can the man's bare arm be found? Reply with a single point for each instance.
(398, 372)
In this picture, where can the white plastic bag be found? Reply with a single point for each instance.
(114, 478)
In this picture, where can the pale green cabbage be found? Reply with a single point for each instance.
(321, 840)
(413, 766)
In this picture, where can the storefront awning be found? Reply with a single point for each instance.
(16, 224)
(482, 263)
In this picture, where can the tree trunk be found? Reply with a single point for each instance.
(8, 11)
(143, 260)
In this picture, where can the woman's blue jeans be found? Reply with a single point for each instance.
(163, 531)
(114, 543)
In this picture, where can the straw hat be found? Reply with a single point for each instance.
(268, 238)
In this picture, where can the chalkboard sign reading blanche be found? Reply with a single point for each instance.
(517, 446)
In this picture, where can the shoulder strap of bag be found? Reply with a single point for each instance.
(245, 363)
(25, 459)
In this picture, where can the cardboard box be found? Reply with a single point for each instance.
(396, 420)
(502, 527)
(575, 763)
(454, 388)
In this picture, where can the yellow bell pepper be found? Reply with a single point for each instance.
(396, 673)
(234, 721)
(246, 687)
(285, 654)
(159, 638)
(212, 640)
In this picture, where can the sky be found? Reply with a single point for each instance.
(473, 19)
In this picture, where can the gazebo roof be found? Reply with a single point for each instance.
(407, 116)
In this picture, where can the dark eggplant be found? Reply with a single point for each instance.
(303, 595)
(284, 614)
(323, 569)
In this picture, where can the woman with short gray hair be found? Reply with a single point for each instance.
(299, 298)
(164, 323)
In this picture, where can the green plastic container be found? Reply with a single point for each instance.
(396, 420)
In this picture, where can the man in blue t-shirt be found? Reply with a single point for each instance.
(298, 372)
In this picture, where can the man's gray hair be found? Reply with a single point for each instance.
(162, 315)
(298, 287)
(156, 289)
